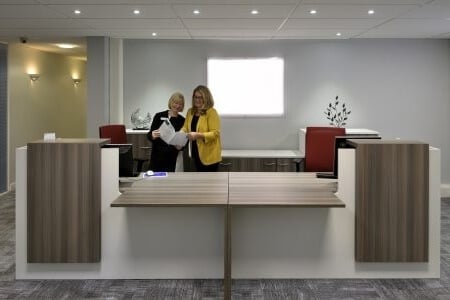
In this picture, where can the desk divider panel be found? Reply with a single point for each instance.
(64, 201)
(392, 191)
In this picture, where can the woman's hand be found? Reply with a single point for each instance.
(155, 134)
(193, 136)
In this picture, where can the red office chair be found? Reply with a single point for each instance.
(118, 135)
(319, 148)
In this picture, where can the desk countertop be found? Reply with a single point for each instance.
(282, 189)
(177, 189)
(262, 153)
(233, 188)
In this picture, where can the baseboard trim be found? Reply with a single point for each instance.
(12, 187)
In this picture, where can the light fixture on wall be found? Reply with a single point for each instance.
(76, 81)
(33, 77)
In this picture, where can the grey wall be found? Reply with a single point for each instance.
(397, 87)
(97, 84)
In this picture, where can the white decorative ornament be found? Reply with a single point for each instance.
(140, 122)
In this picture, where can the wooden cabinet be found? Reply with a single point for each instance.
(288, 164)
(142, 147)
(253, 164)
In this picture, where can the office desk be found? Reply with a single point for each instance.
(250, 189)
(271, 237)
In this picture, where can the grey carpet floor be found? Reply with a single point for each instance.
(212, 289)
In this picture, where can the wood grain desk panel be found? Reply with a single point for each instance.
(282, 189)
(177, 189)
(64, 201)
(392, 187)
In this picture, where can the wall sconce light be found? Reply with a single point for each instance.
(33, 77)
(76, 81)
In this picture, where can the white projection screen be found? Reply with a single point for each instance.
(247, 86)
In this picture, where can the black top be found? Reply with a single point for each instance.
(164, 156)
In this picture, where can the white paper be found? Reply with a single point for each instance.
(170, 136)
(49, 136)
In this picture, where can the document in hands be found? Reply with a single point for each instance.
(170, 136)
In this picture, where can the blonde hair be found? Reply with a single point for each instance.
(208, 100)
(176, 97)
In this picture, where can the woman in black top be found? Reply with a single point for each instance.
(164, 156)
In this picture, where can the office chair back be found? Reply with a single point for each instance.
(116, 132)
(118, 135)
(319, 148)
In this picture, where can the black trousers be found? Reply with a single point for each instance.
(199, 166)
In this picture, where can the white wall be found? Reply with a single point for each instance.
(398, 87)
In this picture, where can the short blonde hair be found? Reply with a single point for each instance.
(176, 98)
(208, 100)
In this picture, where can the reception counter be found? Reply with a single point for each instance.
(239, 225)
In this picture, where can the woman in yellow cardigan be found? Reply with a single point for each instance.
(202, 126)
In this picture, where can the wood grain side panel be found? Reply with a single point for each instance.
(64, 199)
(392, 202)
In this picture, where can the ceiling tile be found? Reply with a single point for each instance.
(27, 11)
(331, 23)
(134, 24)
(147, 34)
(351, 11)
(233, 23)
(316, 33)
(16, 2)
(365, 2)
(233, 11)
(431, 11)
(115, 11)
(229, 2)
(110, 2)
(224, 33)
(41, 24)
(51, 33)
(440, 2)
(410, 28)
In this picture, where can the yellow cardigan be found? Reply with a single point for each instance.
(209, 148)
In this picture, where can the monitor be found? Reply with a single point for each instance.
(341, 142)
(126, 163)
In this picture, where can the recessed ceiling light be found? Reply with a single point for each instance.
(154, 34)
(196, 12)
(254, 12)
(313, 11)
(338, 34)
(66, 46)
(77, 11)
(136, 11)
(370, 11)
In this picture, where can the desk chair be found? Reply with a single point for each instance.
(118, 135)
(319, 148)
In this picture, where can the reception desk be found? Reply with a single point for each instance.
(238, 225)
